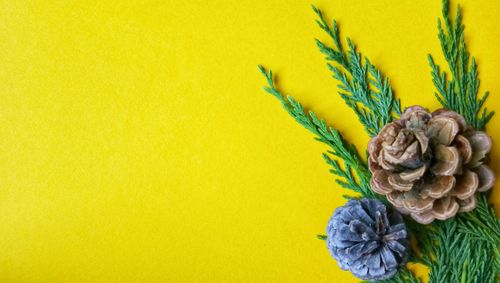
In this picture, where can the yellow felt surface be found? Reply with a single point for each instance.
(136, 144)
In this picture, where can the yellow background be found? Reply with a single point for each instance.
(136, 144)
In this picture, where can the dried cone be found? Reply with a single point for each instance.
(368, 239)
(430, 165)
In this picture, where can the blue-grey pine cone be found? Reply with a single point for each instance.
(368, 239)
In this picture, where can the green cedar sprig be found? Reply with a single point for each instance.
(455, 256)
(362, 86)
(340, 148)
(465, 248)
(403, 276)
(481, 223)
(461, 92)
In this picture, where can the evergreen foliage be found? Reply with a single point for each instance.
(461, 249)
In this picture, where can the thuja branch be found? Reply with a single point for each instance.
(464, 248)
(460, 257)
(461, 92)
(362, 86)
(403, 276)
(340, 148)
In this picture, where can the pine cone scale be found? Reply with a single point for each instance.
(481, 145)
(467, 205)
(464, 148)
(413, 174)
(448, 160)
(442, 130)
(444, 207)
(438, 187)
(467, 185)
(486, 178)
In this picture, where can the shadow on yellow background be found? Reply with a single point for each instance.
(136, 144)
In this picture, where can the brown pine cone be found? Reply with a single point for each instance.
(430, 165)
